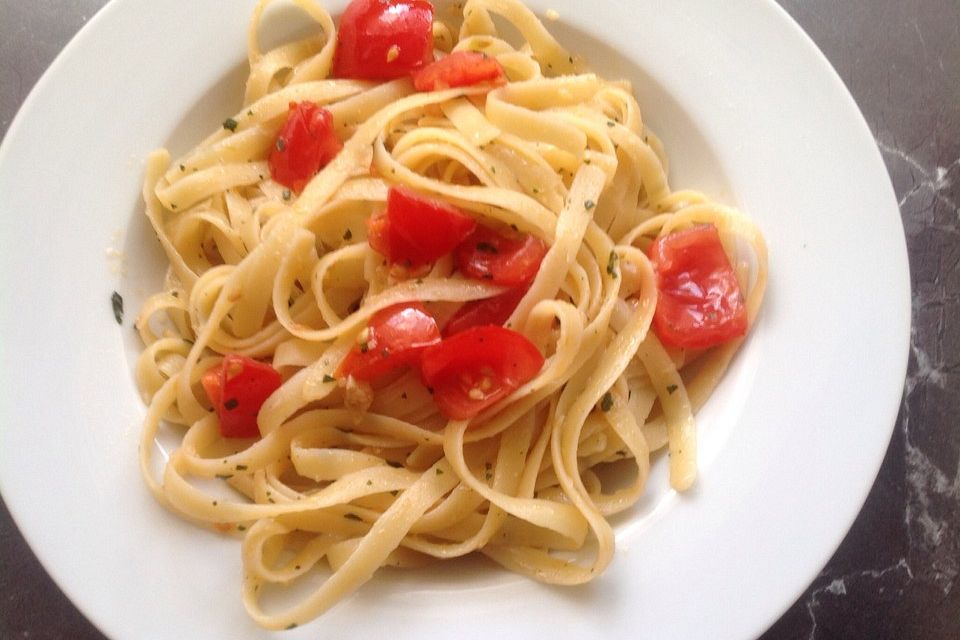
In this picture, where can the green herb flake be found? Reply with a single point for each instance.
(606, 403)
(230, 124)
(281, 144)
(369, 483)
(328, 378)
(286, 194)
(347, 235)
(116, 301)
(589, 204)
(182, 168)
(249, 112)
(364, 347)
(612, 264)
(292, 625)
(231, 404)
(610, 123)
(439, 471)
(671, 388)
(241, 527)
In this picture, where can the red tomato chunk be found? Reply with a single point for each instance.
(395, 337)
(506, 260)
(237, 388)
(417, 230)
(488, 311)
(473, 370)
(459, 69)
(699, 302)
(383, 39)
(306, 143)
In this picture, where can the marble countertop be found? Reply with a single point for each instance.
(896, 573)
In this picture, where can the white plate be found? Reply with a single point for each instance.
(749, 110)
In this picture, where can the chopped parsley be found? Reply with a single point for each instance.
(439, 471)
(671, 388)
(286, 194)
(231, 404)
(230, 124)
(612, 264)
(281, 144)
(606, 403)
(116, 300)
(589, 204)
(328, 378)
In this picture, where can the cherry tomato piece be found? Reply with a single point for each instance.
(699, 302)
(305, 144)
(417, 230)
(488, 311)
(472, 370)
(459, 69)
(237, 388)
(395, 337)
(383, 39)
(506, 260)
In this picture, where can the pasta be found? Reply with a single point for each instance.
(345, 476)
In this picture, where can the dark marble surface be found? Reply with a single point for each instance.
(896, 573)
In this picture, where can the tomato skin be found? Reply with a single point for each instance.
(305, 144)
(417, 230)
(459, 69)
(488, 311)
(506, 260)
(383, 39)
(237, 388)
(491, 362)
(699, 302)
(397, 337)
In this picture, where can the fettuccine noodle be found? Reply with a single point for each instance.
(333, 490)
